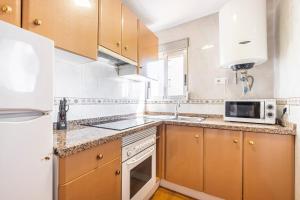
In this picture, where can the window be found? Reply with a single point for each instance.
(169, 73)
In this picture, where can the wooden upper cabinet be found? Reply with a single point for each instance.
(268, 166)
(223, 154)
(147, 45)
(101, 183)
(73, 25)
(129, 34)
(10, 11)
(184, 156)
(110, 25)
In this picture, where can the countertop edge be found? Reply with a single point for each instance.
(67, 151)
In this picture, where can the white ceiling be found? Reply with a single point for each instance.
(163, 14)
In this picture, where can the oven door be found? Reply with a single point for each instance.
(247, 111)
(139, 175)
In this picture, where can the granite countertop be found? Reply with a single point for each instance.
(78, 138)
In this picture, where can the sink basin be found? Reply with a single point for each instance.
(189, 119)
(179, 118)
(161, 117)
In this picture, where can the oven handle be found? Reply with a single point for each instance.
(148, 151)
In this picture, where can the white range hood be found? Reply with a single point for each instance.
(126, 68)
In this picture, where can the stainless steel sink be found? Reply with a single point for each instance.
(174, 118)
(189, 119)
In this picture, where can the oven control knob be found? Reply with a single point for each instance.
(270, 114)
(270, 107)
(129, 153)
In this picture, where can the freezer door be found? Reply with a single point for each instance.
(26, 159)
(26, 69)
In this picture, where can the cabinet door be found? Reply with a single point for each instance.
(184, 156)
(82, 188)
(10, 11)
(110, 25)
(129, 34)
(223, 151)
(102, 183)
(73, 25)
(147, 45)
(109, 181)
(268, 166)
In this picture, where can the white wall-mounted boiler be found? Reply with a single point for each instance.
(243, 33)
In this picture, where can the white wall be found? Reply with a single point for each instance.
(204, 63)
(203, 66)
(287, 65)
(94, 89)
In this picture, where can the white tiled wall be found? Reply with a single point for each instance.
(77, 77)
(287, 65)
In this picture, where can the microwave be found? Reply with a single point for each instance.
(251, 111)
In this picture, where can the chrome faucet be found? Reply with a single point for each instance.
(176, 109)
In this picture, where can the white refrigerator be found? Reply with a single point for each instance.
(26, 98)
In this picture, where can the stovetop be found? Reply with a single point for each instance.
(122, 124)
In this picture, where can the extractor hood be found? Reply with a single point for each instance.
(126, 68)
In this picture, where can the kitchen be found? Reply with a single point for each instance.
(111, 99)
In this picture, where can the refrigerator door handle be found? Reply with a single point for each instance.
(20, 116)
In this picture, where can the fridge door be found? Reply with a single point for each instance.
(26, 165)
(26, 69)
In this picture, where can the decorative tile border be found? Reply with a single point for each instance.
(105, 101)
(280, 101)
(191, 101)
(97, 101)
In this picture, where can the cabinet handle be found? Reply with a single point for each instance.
(197, 136)
(126, 48)
(118, 172)
(118, 44)
(235, 141)
(37, 22)
(6, 9)
(47, 158)
(251, 142)
(99, 157)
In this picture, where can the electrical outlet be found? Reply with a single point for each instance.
(221, 81)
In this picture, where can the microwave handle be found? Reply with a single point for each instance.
(149, 151)
(262, 110)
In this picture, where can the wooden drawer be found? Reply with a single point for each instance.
(73, 166)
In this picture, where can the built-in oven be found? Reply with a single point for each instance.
(253, 111)
(138, 164)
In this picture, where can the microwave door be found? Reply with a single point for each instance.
(244, 109)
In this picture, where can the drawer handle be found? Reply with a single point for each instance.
(126, 48)
(6, 9)
(118, 44)
(197, 136)
(37, 22)
(99, 157)
(235, 141)
(118, 172)
(251, 142)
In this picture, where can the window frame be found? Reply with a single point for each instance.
(165, 57)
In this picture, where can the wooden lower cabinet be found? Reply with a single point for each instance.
(268, 167)
(102, 183)
(223, 154)
(160, 151)
(184, 156)
(10, 11)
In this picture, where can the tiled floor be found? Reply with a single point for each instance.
(164, 194)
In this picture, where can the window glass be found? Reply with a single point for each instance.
(175, 76)
(168, 76)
